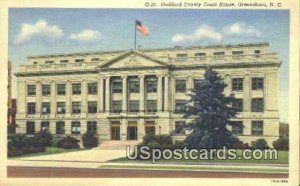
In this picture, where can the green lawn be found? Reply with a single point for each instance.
(282, 159)
(49, 150)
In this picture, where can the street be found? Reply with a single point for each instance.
(47, 172)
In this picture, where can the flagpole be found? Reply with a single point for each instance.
(134, 35)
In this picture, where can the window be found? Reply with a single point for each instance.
(64, 61)
(200, 56)
(117, 86)
(76, 107)
(257, 53)
(134, 106)
(30, 127)
(31, 90)
(61, 107)
(181, 56)
(95, 59)
(79, 60)
(150, 127)
(237, 128)
(92, 127)
(75, 127)
(76, 88)
(180, 127)
(179, 105)
(117, 106)
(237, 54)
(30, 108)
(134, 85)
(45, 125)
(257, 83)
(45, 90)
(60, 127)
(180, 85)
(257, 105)
(35, 62)
(151, 106)
(238, 105)
(46, 108)
(92, 88)
(151, 84)
(257, 128)
(92, 107)
(61, 89)
(237, 84)
(219, 55)
(49, 62)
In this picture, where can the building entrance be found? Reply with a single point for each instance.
(132, 133)
(115, 132)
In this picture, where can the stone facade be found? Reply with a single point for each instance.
(123, 95)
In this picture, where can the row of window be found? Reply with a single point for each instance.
(237, 128)
(76, 127)
(256, 84)
(134, 106)
(202, 54)
(257, 128)
(64, 61)
(134, 87)
(257, 105)
(60, 127)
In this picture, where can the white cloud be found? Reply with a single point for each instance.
(241, 28)
(40, 29)
(201, 33)
(86, 35)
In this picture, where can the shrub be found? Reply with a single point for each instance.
(44, 137)
(20, 144)
(89, 140)
(281, 144)
(260, 144)
(160, 140)
(241, 145)
(56, 142)
(18, 141)
(68, 143)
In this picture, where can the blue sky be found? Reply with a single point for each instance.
(49, 31)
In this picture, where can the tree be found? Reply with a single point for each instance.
(211, 112)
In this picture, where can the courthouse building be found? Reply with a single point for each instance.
(123, 95)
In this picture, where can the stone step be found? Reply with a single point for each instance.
(117, 144)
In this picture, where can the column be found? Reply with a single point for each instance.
(124, 94)
(189, 84)
(159, 94)
(100, 95)
(84, 97)
(142, 93)
(166, 104)
(69, 97)
(53, 99)
(228, 89)
(247, 93)
(38, 103)
(107, 94)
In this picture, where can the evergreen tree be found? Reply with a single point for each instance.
(211, 111)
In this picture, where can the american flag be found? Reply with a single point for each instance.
(141, 28)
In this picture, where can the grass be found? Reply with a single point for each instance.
(49, 150)
(282, 159)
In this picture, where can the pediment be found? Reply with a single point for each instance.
(132, 59)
